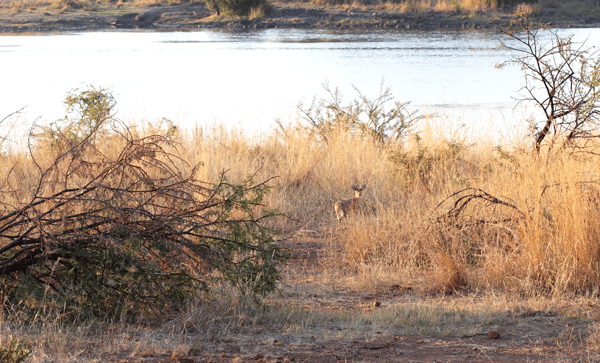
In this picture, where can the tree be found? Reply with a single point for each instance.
(562, 78)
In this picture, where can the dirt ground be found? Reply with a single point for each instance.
(525, 335)
(283, 15)
(395, 349)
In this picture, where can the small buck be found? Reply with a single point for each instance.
(345, 207)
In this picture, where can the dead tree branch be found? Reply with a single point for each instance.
(561, 78)
(137, 229)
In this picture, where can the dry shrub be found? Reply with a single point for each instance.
(122, 225)
(552, 236)
(447, 275)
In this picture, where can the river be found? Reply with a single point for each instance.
(252, 78)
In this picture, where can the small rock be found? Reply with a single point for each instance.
(258, 356)
(492, 334)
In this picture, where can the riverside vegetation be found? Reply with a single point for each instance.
(79, 15)
(125, 242)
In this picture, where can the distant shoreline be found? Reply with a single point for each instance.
(296, 15)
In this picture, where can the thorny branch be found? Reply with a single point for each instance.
(466, 197)
(141, 207)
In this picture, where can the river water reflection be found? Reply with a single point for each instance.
(251, 78)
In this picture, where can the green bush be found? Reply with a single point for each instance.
(89, 112)
(236, 7)
(15, 352)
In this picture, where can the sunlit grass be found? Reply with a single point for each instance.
(550, 244)
(396, 239)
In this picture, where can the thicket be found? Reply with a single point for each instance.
(237, 7)
(99, 220)
(382, 119)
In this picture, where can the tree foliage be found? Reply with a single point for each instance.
(89, 113)
(131, 233)
(562, 78)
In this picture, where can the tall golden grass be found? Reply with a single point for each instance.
(550, 245)
(548, 240)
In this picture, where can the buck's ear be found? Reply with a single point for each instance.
(364, 186)
(352, 186)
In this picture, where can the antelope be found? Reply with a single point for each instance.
(345, 207)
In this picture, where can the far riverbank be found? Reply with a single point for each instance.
(283, 15)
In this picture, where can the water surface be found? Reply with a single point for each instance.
(249, 79)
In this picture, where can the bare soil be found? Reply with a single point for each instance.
(525, 335)
(521, 345)
(301, 15)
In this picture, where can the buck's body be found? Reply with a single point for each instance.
(345, 207)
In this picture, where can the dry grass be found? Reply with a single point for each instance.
(401, 236)
(529, 10)
(547, 241)
(550, 10)
(417, 6)
(550, 244)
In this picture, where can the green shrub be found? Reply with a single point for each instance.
(236, 7)
(15, 352)
(88, 115)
